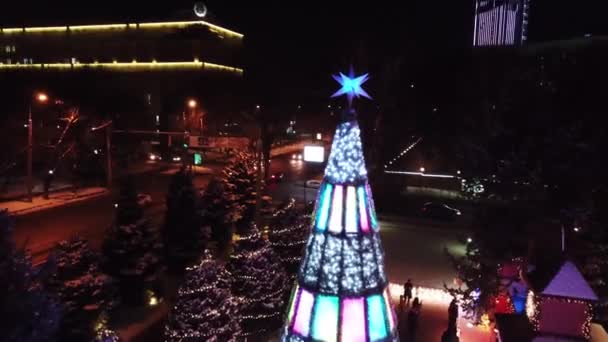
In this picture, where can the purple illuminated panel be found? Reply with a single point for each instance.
(353, 319)
(335, 220)
(302, 323)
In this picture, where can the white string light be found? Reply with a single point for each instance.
(402, 153)
(346, 162)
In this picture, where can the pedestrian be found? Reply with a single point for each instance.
(412, 318)
(48, 180)
(407, 292)
(453, 311)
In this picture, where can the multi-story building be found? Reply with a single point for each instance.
(141, 73)
(500, 22)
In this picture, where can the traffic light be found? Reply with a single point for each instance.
(198, 159)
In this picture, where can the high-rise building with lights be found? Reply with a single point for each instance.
(500, 22)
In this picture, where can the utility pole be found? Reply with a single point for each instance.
(109, 154)
(258, 183)
(29, 154)
(41, 98)
(108, 126)
(563, 238)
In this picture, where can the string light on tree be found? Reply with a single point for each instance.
(259, 283)
(204, 310)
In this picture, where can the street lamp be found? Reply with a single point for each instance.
(422, 169)
(192, 103)
(41, 98)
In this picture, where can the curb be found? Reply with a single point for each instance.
(43, 207)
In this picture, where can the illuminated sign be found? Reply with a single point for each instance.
(198, 159)
(313, 153)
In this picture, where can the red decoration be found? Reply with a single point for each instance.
(502, 304)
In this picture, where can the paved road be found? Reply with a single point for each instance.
(296, 173)
(40, 231)
(415, 249)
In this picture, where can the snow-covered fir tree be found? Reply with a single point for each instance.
(132, 247)
(239, 178)
(259, 282)
(28, 313)
(595, 270)
(184, 236)
(205, 309)
(82, 290)
(289, 229)
(219, 213)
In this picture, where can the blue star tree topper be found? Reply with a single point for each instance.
(351, 85)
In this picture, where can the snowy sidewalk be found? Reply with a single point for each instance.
(197, 170)
(56, 199)
(17, 189)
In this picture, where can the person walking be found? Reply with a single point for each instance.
(412, 318)
(407, 292)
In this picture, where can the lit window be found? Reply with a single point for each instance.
(8, 61)
(7, 49)
(14, 49)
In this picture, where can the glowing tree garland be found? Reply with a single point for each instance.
(341, 293)
(205, 310)
(259, 283)
(288, 236)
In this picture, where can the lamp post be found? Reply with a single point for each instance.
(192, 104)
(108, 127)
(41, 98)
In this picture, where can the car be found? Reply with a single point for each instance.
(155, 157)
(144, 200)
(313, 183)
(440, 211)
(296, 156)
(174, 155)
(276, 177)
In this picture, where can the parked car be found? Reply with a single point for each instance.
(276, 177)
(313, 183)
(440, 211)
(144, 200)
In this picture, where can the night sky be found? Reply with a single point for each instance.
(307, 40)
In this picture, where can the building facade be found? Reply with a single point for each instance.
(501, 22)
(140, 73)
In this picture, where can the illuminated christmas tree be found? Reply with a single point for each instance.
(341, 293)
(204, 310)
(259, 283)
